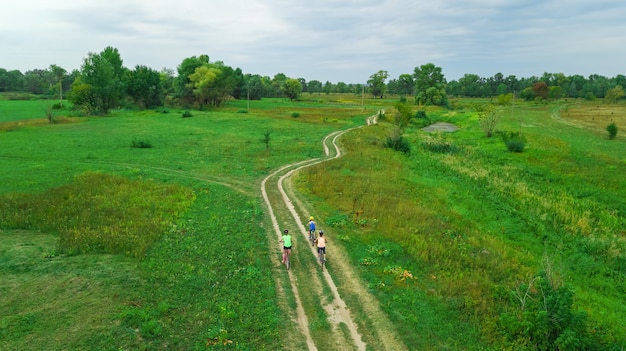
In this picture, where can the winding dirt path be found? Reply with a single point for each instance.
(380, 332)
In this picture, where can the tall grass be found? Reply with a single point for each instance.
(476, 222)
(99, 213)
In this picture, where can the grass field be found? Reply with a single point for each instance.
(446, 237)
(480, 223)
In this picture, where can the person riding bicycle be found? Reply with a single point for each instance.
(321, 244)
(311, 225)
(286, 240)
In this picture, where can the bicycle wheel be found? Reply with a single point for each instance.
(312, 238)
(320, 257)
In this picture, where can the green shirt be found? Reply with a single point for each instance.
(287, 240)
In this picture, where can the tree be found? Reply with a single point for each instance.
(488, 118)
(292, 88)
(403, 115)
(470, 85)
(276, 86)
(541, 90)
(430, 85)
(502, 89)
(143, 84)
(406, 84)
(556, 92)
(100, 84)
(82, 94)
(167, 80)
(11, 80)
(342, 87)
(202, 83)
(37, 81)
(376, 83)
(328, 87)
(613, 95)
(186, 68)
(315, 86)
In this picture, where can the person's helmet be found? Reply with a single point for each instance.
(321, 232)
(311, 218)
(285, 231)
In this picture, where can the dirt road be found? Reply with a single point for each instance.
(319, 300)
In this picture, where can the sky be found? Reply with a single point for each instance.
(326, 40)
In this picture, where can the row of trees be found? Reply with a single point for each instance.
(103, 83)
(429, 86)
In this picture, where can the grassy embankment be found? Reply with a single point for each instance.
(459, 239)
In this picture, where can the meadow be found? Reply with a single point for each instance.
(463, 229)
(109, 246)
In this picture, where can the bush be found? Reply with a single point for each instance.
(440, 146)
(421, 114)
(140, 144)
(547, 319)
(397, 142)
(187, 114)
(612, 129)
(514, 141)
(295, 114)
(162, 110)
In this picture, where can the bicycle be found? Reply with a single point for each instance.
(312, 237)
(321, 256)
(287, 259)
(321, 249)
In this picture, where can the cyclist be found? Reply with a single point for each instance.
(321, 244)
(311, 225)
(286, 240)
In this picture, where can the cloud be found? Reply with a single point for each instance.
(324, 40)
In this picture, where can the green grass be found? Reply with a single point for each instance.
(477, 221)
(23, 110)
(442, 237)
(178, 223)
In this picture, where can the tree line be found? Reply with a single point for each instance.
(429, 86)
(103, 83)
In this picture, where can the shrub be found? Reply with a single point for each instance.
(295, 114)
(612, 129)
(546, 319)
(514, 141)
(440, 146)
(187, 114)
(397, 142)
(140, 144)
(162, 110)
(421, 120)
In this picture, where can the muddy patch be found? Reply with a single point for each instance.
(441, 127)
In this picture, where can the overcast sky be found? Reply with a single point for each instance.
(326, 40)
